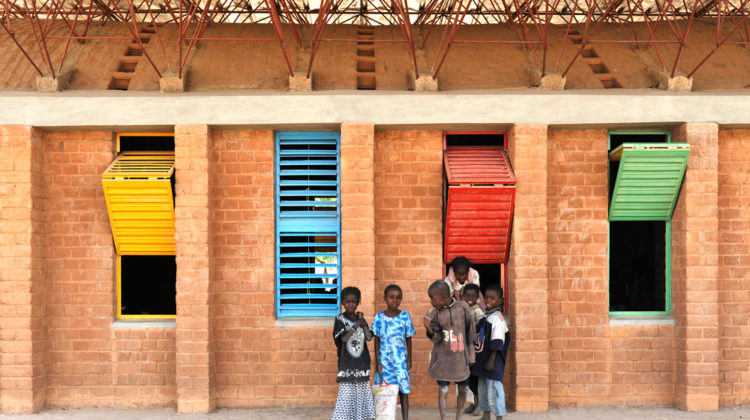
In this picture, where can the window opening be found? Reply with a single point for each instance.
(153, 142)
(140, 195)
(639, 237)
(491, 274)
(478, 196)
(146, 286)
(475, 139)
(308, 224)
(637, 278)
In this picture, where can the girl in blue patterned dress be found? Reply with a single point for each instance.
(393, 331)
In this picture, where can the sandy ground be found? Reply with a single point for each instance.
(323, 413)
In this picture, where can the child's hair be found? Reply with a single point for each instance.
(460, 263)
(439, 287)
(392, 287)
(471, 286)
(353, 291)
(494, 287)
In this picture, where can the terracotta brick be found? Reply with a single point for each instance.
(694, 266)
(195, 373)
(528, 290)
(408, 231)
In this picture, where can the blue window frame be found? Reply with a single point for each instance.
(308, 224)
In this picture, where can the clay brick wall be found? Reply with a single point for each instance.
(528, 277)
(243, 253)
(577, 248)
(22, 335)
(734, 268)
(88, 362)
(358, 213)
(408, 233)
(257, 362)
(194, 331)
(642, 365)
(695, 295)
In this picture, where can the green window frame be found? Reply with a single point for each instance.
(652, 217)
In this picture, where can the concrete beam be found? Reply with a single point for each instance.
(109, 108)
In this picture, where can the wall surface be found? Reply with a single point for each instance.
(578, 282)
(409, 240)
(734, 267)
(60, 346)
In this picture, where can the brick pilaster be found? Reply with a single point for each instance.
(528, 269)
(22, 312)
(695, 271)
(195, 358)
(358, 213)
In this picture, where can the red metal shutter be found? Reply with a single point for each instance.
(479, 206)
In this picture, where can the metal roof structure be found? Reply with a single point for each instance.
(531, 20)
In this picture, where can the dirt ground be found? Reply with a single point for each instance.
(323, 413)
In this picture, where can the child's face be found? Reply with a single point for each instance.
(492, 299)
(350, 303)
(439, 300)
(393, 299)
(470, 297)
(461, 274)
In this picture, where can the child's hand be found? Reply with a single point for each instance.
(408, 364)
(428, 318)
(379, 368)
(361, 322)
(489, 365)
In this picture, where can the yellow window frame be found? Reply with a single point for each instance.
(119, 314)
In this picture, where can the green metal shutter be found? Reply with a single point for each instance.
(648, 180)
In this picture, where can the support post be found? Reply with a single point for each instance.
(195, 357)
(528, 270)
(695, 270)
(22, 289)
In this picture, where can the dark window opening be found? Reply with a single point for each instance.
(147, 285)
(637, 269)
(488, 274)
(475, 140)
(146, 143)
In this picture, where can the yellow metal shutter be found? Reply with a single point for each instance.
(138, 191)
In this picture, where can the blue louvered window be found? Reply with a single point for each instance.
(308, 224)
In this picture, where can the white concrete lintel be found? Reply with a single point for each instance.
(382, 108)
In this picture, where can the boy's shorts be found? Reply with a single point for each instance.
(462, 383)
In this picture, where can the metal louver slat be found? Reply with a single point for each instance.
(138, 192)
(648, 180)
(308, 240)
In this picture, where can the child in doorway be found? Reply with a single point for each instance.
(492, 344)
(351, 334)
(450, 327)
(461, 274)
(393, 331)
(470, 296)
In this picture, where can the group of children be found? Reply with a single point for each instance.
(470, 346)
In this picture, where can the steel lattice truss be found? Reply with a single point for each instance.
(530, 19)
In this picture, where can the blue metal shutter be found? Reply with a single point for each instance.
(308, 224)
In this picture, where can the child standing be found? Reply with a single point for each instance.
(351, 334)
(492, 344)
(461, 274)
(450, 327)
(470, 296)
(393, 331)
